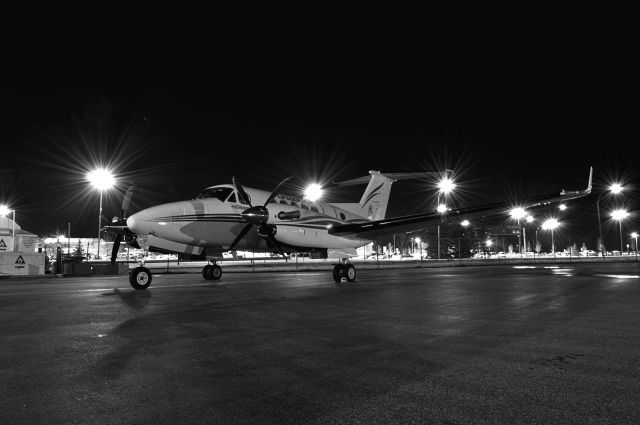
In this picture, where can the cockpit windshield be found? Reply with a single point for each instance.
(221, 193)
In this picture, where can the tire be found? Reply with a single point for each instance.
(217, 272)
(337, 273)
(350, 272)
(210, 272)
(140, 278)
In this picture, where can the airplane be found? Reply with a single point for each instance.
(229, 217)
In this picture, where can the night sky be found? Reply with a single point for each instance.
(179, 102)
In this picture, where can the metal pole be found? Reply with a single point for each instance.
(438, 241)
(524, 238)
(69, 238)
(553, 248)
(620, 223)
(602, 250)
(13, 230)
(636, 248)
(519, 245)
(99, 225)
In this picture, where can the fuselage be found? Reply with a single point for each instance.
(213, 220)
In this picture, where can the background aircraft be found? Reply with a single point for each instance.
(229, 216)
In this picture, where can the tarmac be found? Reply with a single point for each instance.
(500, 344)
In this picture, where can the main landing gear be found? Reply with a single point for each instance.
(344, 271)
(212, 271)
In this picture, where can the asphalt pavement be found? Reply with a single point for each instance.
(505, 344)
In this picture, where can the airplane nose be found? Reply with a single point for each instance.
(139, 223)
(131, 223)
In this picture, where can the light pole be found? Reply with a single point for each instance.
(464, 224)
(619, 215)
(551, 224)
(529, 219)
(488, 244)
(445, 186)
(5, 210)
(419, 242)
(615, 189)
(518, 213)
(101, 179)
(635, 236)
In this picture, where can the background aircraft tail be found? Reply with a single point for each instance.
(375, 199)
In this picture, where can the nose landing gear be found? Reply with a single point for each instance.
(140, 277)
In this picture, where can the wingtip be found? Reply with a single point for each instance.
(590, 177)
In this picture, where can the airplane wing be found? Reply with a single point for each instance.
(390, 226)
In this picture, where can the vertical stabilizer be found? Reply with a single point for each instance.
(375, 198)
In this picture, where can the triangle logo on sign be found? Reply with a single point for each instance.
(20, 260)
(2, 244)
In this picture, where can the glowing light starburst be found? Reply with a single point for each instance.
(101, 179)
(313, 192)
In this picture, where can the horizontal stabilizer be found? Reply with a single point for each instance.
(417, 175)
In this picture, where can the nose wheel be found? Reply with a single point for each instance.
(140, 278)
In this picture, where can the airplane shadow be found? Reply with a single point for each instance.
(134, 299)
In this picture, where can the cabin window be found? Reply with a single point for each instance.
(342, 216)
(232, 197)
(314, 208)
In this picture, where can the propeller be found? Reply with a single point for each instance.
(121, 221)
(257, 215)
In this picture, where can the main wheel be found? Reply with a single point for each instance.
(337, 273)
(140, 278)
(210, 272)
(349, 272)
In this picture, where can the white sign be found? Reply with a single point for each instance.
(21, 263)
(6, 244)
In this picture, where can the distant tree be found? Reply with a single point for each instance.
(574, 250)
(78, 251)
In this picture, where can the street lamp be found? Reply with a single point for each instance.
(635, 236)
(518, 213)
(529, 218)
(445, 186)
(101, 179)
(619, 215)
(551, 224)
(615, 189)
(464, 224)
(5, 210)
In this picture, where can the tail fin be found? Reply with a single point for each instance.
(375, 198)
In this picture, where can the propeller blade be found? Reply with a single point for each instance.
(274, 192)
(126, 200)
(242, 195)
(116, 248)
(241, 235)
(275, 243)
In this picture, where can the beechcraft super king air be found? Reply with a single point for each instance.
(232, 217)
